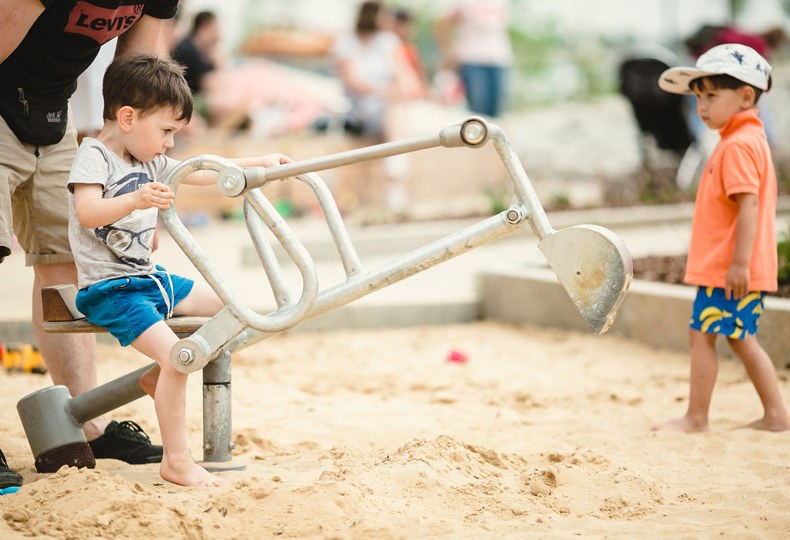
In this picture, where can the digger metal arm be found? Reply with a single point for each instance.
(237, 325)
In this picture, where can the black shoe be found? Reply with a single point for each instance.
(126, 441)
(8, 478)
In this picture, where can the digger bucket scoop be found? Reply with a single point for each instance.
(595, 269)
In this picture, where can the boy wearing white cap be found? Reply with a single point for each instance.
(732, 256)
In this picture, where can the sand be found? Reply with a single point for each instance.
(375, 434)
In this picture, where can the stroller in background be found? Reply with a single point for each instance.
(667, 141)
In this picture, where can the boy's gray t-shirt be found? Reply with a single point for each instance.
(121, 248)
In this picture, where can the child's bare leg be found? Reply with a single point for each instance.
(763, 375)
(170, 402)
(704, 369)
(201, 301)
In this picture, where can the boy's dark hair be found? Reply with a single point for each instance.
(146, 83)
(724, 81)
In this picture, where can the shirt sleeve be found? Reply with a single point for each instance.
(739, 170)
(161, 9)
(89, 167)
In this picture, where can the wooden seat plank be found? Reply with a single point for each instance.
(62, 317)
(179, 325)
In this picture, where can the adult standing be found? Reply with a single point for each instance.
(44, 46)
(473, 38)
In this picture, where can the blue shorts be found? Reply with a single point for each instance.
(128, 306)
(735, 318)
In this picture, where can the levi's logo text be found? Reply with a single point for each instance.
(102, 24)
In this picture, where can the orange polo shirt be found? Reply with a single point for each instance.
(741, 163)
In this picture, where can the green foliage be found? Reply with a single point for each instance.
(534, 51)
(561, 201)
(784, 258)
(498, 199)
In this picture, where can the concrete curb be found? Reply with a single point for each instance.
(656, 314)
(399, 238)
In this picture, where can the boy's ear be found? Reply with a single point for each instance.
(125, 117)
(749, 97)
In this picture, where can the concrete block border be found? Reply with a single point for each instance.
(656, 314)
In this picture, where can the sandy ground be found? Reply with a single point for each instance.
(375, 434)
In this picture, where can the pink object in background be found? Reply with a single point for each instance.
(457, 357)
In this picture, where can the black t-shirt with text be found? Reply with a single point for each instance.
(66, 38)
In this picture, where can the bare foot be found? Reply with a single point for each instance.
(684, 423)
(186, 472)
(766, 424)
(148, 380)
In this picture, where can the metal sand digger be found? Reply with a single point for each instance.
(591, 263)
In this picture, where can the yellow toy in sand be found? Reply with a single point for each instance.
(22, 357)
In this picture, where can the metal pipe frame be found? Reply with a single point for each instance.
(238, 326)
(233, 327)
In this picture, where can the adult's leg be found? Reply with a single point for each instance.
(476, 88)
(6, 223)
(497, 93)
(70, 358)
(761, 371)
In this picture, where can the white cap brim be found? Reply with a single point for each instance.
(676, 80)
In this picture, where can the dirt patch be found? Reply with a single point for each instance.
(670, 269)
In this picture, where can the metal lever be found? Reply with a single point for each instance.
(472, 133)
(208, 341)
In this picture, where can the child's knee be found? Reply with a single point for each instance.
(741, 345)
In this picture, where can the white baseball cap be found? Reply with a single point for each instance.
(734, 59)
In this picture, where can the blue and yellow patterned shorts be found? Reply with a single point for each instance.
(735, 318)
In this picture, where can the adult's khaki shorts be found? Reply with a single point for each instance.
(33, 196)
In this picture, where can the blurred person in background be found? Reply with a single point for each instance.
(379, 82)
(403, 27)
(473, 39)
(374, 70)
(218, 102)
(198, 52)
